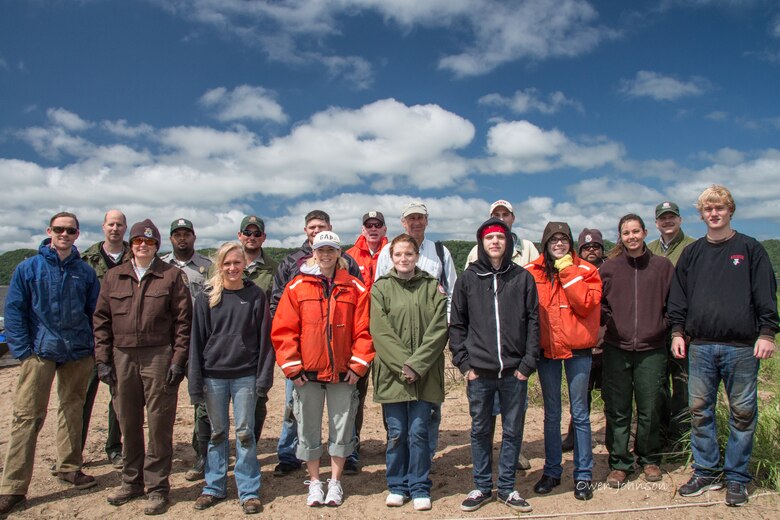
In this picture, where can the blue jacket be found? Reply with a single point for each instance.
(49, 306)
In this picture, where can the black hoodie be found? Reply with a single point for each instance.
(494, 320)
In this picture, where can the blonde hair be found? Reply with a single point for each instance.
(216, 283)
(716, 194)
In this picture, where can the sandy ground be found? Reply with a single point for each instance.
(284, 497)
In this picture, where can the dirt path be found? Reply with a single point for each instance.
(284, 497)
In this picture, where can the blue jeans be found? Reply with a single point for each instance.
(577, 375)
(219, 393)
(511, 394)
(738, 369)
(408, 451)
(288, 439)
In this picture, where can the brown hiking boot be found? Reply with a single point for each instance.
(9, 502)
(156, 504)
(78, 479)
(616, 478)
(652, 473)
(124, 494)
(206, 501)
(252, 506)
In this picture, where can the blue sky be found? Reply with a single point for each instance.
(212, 109)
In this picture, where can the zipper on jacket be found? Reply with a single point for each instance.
(498, 325)
(329, 331)
(636, 302)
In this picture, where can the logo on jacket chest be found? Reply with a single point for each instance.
(737, 259)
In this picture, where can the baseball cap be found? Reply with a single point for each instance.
(667, 207)
(498, 203)
(413, 207)
(374, 214)
(590, 236)
(181, 223)
(326, 238)
(252, 220)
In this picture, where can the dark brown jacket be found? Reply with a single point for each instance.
(633, 301)
(155, 312)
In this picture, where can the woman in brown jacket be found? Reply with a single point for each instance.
(142, 336)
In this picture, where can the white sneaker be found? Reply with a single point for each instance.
(395, 500)
(316, 495)
(422, 504)
(335, 493)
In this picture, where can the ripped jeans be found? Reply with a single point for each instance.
(738, 369)
(408, 451)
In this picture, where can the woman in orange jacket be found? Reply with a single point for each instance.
(569, 311)
(321, 337)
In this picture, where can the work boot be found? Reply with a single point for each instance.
(198, 470)
(156, 504)
(78, 479)
(124, 494)
(9, 502)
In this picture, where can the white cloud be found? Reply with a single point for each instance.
(495, 32)
(120, 128)
(529, 100)
(717, 115)
(353, 69)
(726, 156)
(520, 146)
(67, 120)
(244, 102)
(662, 88)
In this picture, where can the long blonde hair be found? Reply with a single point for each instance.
(216, 283)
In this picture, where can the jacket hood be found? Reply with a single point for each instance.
(483, 260)
(556, 227)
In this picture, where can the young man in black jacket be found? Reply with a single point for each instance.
(494, 338)
(723, 299)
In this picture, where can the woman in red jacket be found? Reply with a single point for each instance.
(569, 296)
(321, 337)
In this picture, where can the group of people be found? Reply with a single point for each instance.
(627, 322)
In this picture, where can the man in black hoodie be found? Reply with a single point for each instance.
(494, 339)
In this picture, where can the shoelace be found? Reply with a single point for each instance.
(475, 494)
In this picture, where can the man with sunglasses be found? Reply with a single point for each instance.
(196, 267)
(315, 221)
(102, 256)
(142, 327)
(48, 321)
(368, 245)
(260, 268)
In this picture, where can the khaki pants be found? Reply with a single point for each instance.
(140, 373)
(30, 404)
(308, 405)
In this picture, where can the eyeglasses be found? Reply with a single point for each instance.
(59, 229)
(562, 240)
(373, 225)
(591, 247)
(250, 233)
(140, 240)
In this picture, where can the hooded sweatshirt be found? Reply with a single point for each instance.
(494, 321)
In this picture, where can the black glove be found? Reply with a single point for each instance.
(175, 375)
(105, 373)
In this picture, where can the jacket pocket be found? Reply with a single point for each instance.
(311, 310)
(226, 352)
(120, 303)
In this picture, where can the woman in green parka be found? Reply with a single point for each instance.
(409, 328)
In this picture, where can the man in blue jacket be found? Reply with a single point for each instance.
(48, 320)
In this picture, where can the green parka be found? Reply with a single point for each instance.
(409, 327)
(95, 259)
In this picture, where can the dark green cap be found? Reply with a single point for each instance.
(253, 220)
(181, 223)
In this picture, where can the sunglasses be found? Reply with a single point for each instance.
(69, 230)
(591, 246)
(373, 225)
(250, 233)
(148, 241)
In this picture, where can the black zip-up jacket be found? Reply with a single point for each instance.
(724, 293)
(290, 267)
(633, 301)
(494, 319)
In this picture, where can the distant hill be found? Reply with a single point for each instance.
(458, 248)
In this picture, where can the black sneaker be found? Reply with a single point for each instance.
(283, 469)
(736, 494)
(351, 467)
(516, 502)
(475, 500)
(698, 485)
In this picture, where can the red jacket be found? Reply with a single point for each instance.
(569, 308)
(320, 335)
(365, 260)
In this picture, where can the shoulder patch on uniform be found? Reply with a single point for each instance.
(184, 278)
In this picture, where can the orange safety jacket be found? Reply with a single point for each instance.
(365, 260)
(322, 333)
(569, 307)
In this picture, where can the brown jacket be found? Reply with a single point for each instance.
(155, 312)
